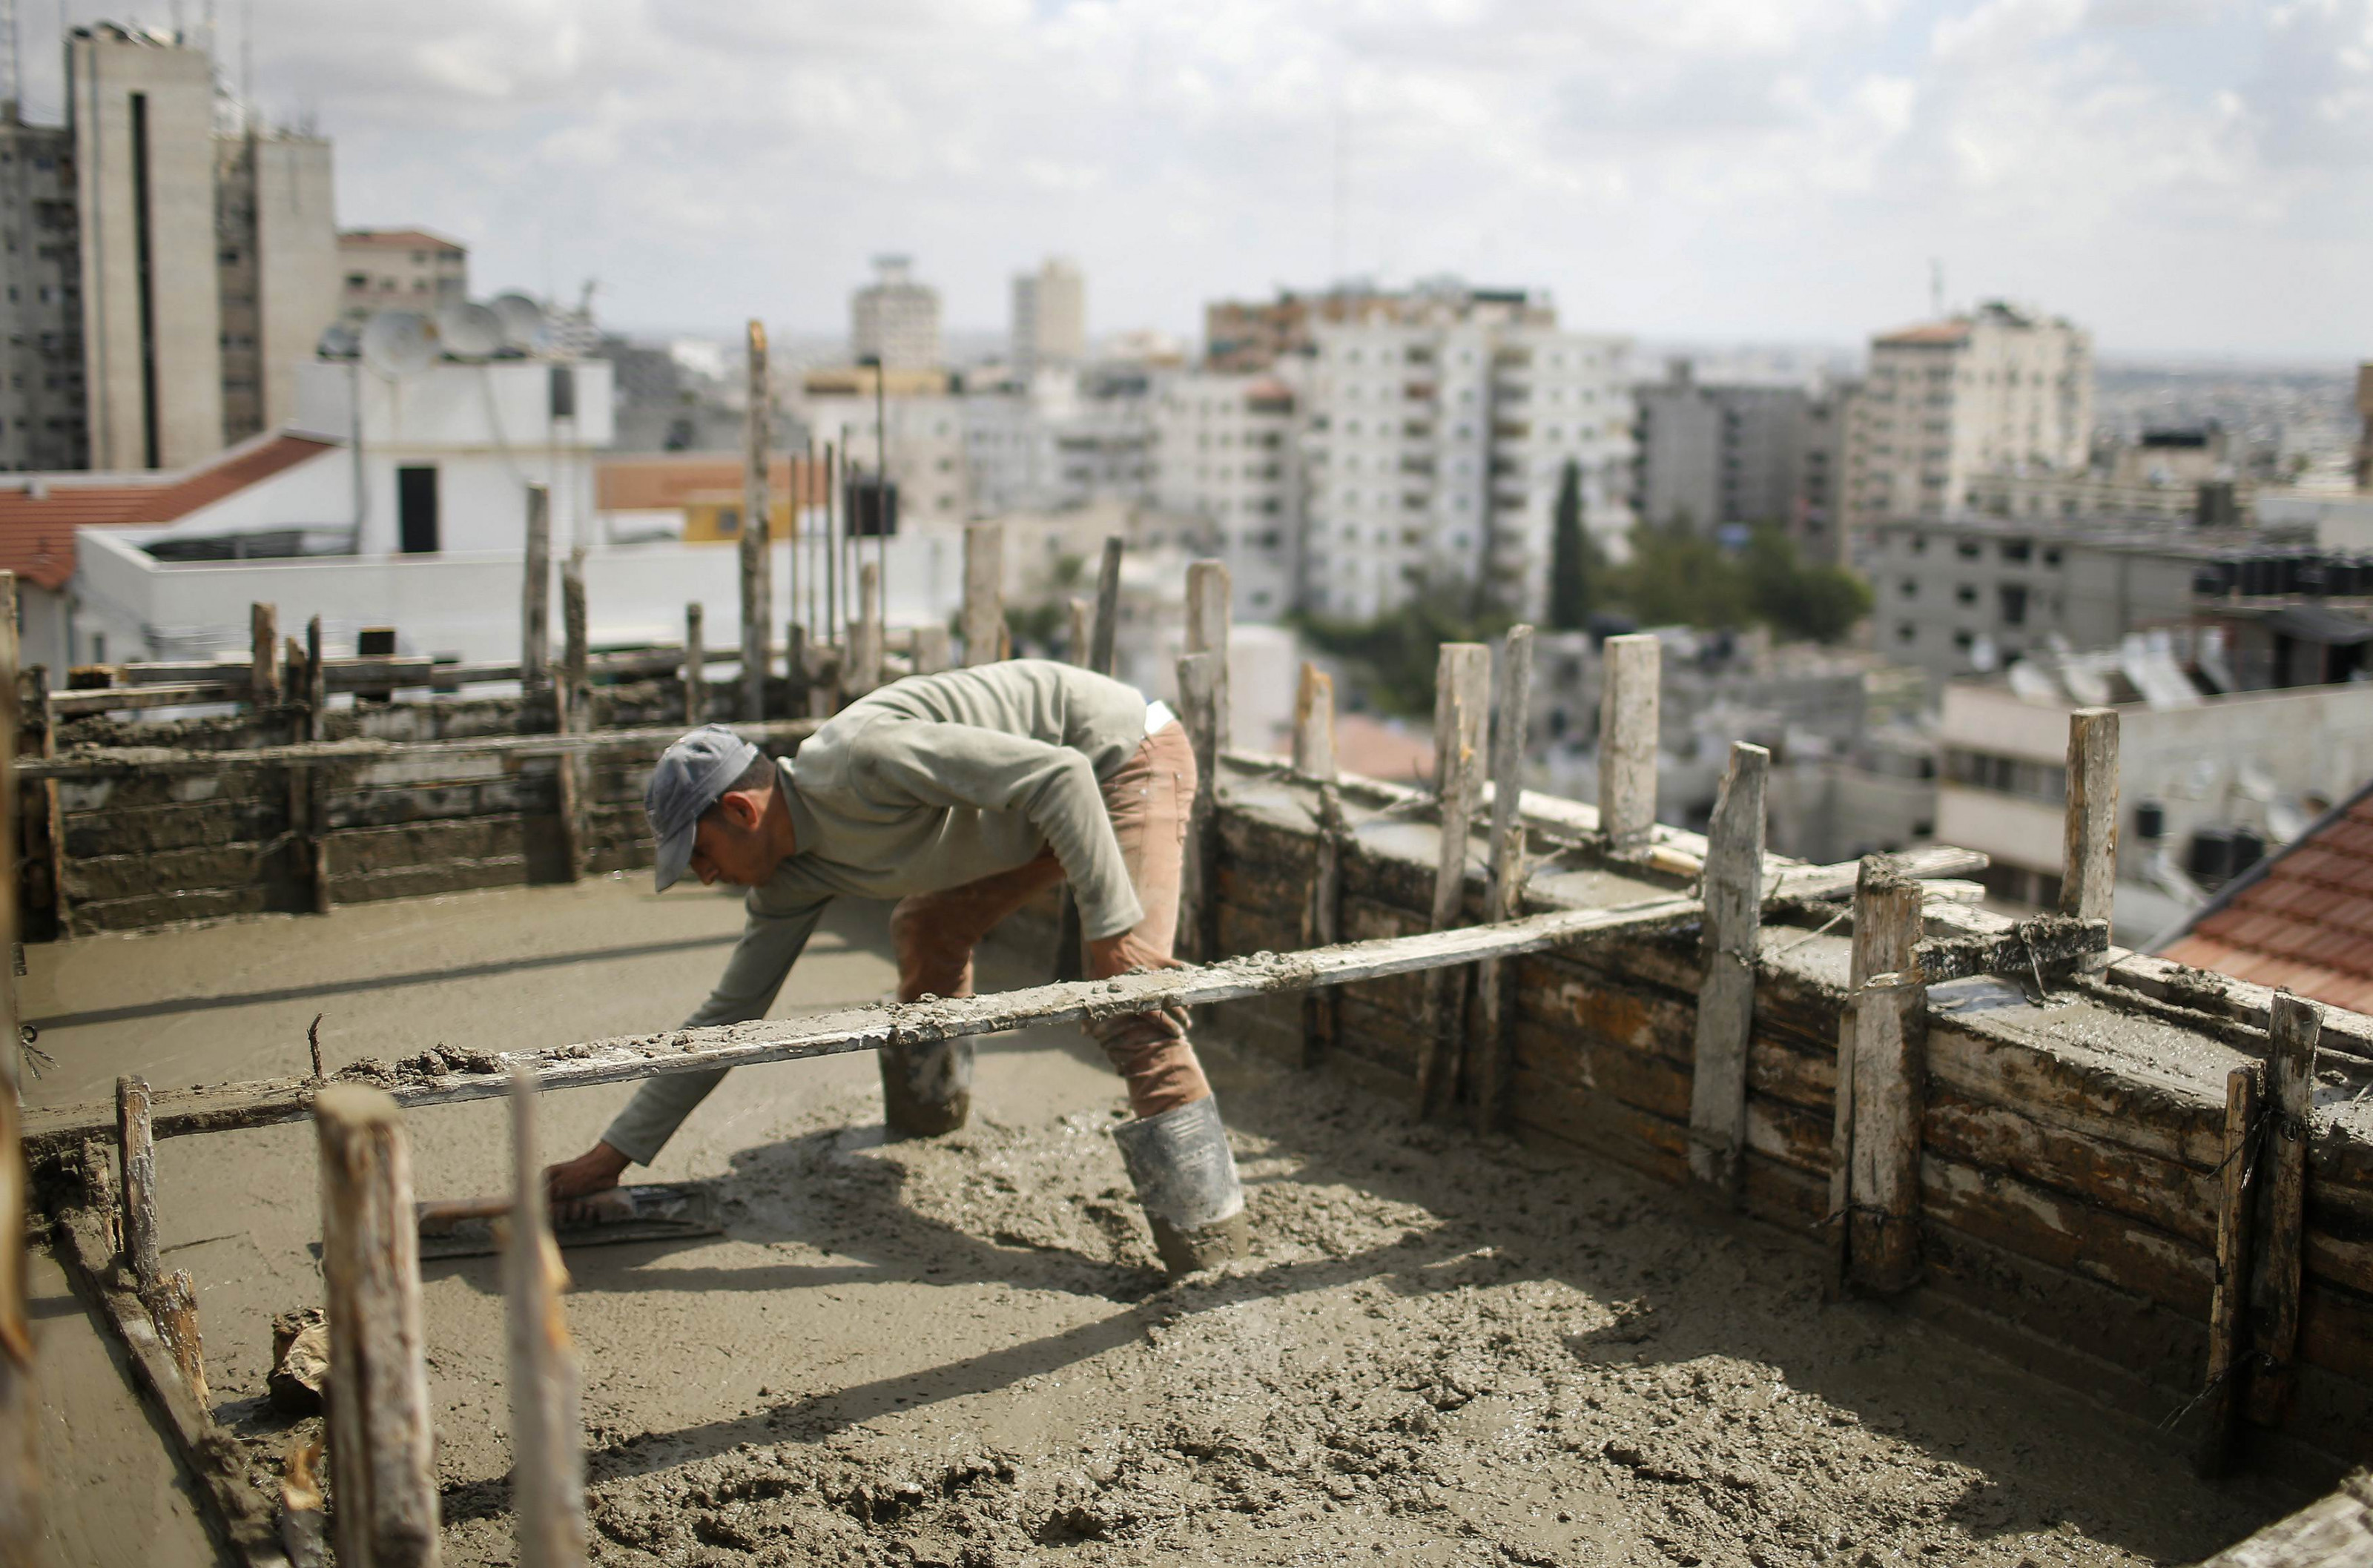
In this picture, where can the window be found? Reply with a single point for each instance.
(2051, 556)
(1965, 594)
(2018, 549)
(1967, 548)
(1906, 632)
(1911, 587)
(416, 510)
(2014, 604)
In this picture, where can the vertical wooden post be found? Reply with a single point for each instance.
(2229, 1308)
(930, 650)
(983, 593)
(1504, 892)
(1884, 1022)
(264, 655)
(695, 667)
(2294, 1027)
(20, 1406)
(757, 584)
(535, 590)
(1462, 685)
(1199, 677)
(1629, 673)
(1102, 639)
(1081, 629)
(1322, 916)
(2088, 868)
(1209, 605)
(571, 710)
(316, 791)
(381, 1439)
(1071, 957)
(1734, 903)
(865, 632)
(135, 1147)
(547, 1436)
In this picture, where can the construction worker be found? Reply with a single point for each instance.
(961, 796)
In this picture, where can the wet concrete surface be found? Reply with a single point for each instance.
(1449, 1349)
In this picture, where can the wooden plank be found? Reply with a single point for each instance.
(1503, 885)
(2332, 1532)
(931, 655)
(1313, 724)
(1628, 703)
(2276, 1262)
(1883, 1023)
(140, 699)
(1725, 1011)
(758, 581)
(536, 589)
(865, 646)
(381, 1440)
(1322, 905)
(570, 714)
(2089, 872)
(547, 1433)
(136, 1150)
(2238, 1001)
(983, 617)
(695, 667)
(1209, 610)
(103, 763)
(2229, 1308)
(1461, 711)
(1199, 676)
(21, 1404)
(1105, 633)
(308, 782)
(264, 654)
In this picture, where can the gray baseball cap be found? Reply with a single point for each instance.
(691, 775)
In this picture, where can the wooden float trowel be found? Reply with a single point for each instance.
(473, 1227)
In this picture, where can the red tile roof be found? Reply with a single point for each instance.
(37, 533)
(2304, 922)
(396, 239)
(1931, 333)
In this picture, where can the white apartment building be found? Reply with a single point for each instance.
(1995, 390)
(896, 318)
(1436, 445)
(399, 268)
(1050, 317)
(1227, 451)
(925, 445)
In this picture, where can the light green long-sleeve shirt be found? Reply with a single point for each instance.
(928, 784)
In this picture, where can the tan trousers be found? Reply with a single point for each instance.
(1148, 797)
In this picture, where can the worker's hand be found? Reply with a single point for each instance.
(1118, 955)
(595, 1170)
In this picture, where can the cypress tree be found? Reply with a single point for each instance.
(1569, 556)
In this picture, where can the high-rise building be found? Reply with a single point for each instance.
(896, 318)
(923, 440)
(208, 263)
(1995, 389)
(1254, 334)
(398, 269)
(41, 313)
(1749, 454)
(1439, 431)
(1227, 451)
(1050, 317)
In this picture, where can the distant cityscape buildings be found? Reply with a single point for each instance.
(895, 319)
(1718, 455)
(398, 269)
(1050, 319)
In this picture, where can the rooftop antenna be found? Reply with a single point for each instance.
(247, 54)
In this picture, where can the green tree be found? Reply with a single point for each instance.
(1396, 654)
(1571, 556)
(1677, 575)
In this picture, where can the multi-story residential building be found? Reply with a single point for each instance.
(921, 437)
(1739, 454)
(1227, 451)
(1064, 439)
(399, 268)
(1437, 438)
(1246, 335)
(896, 319)
(1952, 400)
(276, 222)
(41, 418)
(1050, 317)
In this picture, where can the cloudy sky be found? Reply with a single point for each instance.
(2183, 176)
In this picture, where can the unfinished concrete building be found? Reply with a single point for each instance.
(1621, 1195)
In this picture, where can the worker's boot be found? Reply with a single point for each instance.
(1186, 1179)
(926, 1087)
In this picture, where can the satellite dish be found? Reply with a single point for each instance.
(396, 342)
(468, 330)
(522, 321)
(339, 340)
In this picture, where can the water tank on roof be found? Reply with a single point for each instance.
(2150, 820)
(2210, 858)
(2248, 849)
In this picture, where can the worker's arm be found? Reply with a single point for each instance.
(946, 765)
(762, 960)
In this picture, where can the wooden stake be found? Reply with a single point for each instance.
(1322, 916)
(264, 654)
(2088, 868)
(695, 667)
(572, 713)
(1734, 897)
(547, 1436)
(1198, 680)
(1462, 685)
(1503, 890)
(757, 584)
(20, 1407)
(931, 649)
(535, 590)
(865, 632)
(135, 1149)
(1102, 639)
(1626, 741)
(984, 594)
(2275, 1280)
(173, 1308)
(1886, 1021)
(2229, 1321)
(1209, 608)
(381, 1438)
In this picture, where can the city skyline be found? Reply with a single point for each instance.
(2188, 179)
